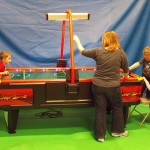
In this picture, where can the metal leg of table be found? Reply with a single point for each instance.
(11, 118)
(125, 114)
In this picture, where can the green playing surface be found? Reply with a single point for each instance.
(46, 75)
(49, 75)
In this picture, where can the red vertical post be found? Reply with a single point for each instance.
(62, 39)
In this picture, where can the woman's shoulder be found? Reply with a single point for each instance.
(119, 50)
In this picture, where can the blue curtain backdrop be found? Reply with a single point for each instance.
(34, 41)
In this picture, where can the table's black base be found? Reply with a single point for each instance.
(12, 118)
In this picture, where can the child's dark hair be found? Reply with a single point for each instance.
(4, 54)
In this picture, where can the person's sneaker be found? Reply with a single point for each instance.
(125, 133)
(100, 140)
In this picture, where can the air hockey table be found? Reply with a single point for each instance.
(28, 88)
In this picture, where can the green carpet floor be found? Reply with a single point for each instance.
(72, 131)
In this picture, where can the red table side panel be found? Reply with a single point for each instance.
(16, 97)
(131, 93)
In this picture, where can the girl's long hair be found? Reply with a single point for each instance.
(110, 41)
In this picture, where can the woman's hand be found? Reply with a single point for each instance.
(76, 39)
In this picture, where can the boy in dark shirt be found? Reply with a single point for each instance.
(145, 61)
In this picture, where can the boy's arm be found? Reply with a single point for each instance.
(79, 45)
(135, 65)
(147, 83)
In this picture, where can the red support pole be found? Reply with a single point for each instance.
(71, 46)
(62, 39)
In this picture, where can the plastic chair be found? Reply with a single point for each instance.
(144, 101)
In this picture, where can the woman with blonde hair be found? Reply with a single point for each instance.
(106, 83)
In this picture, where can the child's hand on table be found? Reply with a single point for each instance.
(6, 72)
